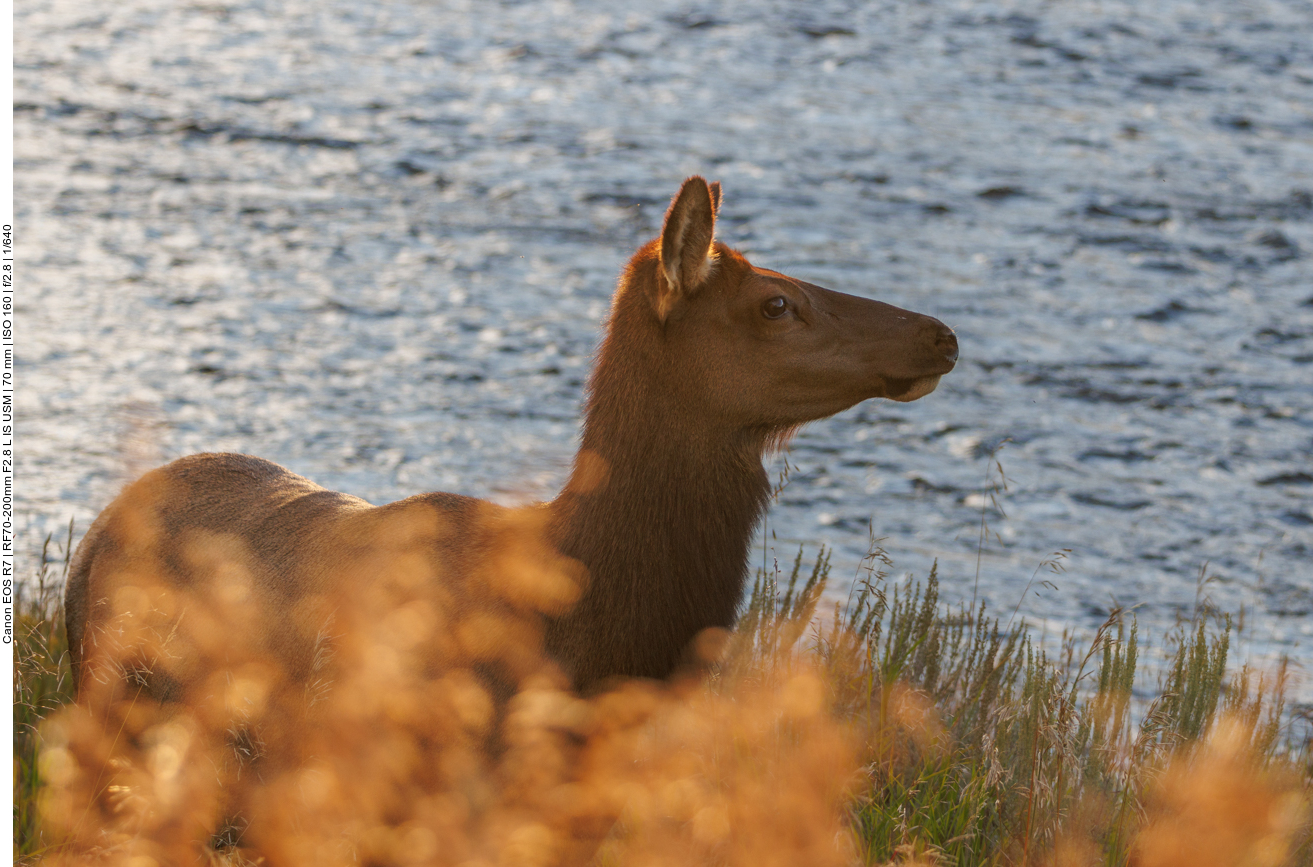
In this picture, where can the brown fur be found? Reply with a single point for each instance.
(692, 384)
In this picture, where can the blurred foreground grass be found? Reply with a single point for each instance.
(962, 743)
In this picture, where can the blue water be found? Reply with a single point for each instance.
(375, 241)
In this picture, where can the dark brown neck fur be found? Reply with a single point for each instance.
(664, 528)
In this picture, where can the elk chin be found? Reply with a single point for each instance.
(907, 390)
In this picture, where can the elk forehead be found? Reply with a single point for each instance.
(771, 280)
(764, 282)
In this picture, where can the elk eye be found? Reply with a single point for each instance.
(775, 307)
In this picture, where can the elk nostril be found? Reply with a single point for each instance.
(947, 344)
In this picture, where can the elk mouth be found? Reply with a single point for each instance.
(906, 390)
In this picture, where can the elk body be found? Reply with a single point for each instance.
(707, 363)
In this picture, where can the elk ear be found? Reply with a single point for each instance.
(686, 244)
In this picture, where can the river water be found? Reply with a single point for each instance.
(374, 242)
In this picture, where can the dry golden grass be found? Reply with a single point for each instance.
(415, 730)
(1218, 806)
(392, 745)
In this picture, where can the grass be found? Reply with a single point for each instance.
(983, 749)
(975, 745)
(42, 683)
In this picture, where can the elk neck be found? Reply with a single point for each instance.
(661, 509)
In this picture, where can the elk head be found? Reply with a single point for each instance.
(754, 349)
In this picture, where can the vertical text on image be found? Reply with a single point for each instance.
(7, 430)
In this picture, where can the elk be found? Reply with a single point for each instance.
(708, 362)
